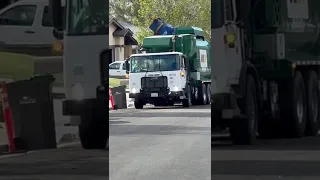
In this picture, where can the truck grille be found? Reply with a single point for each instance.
(154, 83)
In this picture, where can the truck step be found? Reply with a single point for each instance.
(237, 90)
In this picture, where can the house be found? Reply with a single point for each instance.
(121, 40)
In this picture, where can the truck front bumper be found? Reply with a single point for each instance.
(148, 95)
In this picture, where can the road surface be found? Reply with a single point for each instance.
(157, 144)
(65, 163)
(283, 159)
(160, 144)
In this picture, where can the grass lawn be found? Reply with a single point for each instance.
(113, 82)
(16, 66)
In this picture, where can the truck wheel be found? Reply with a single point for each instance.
(94, 133)
(138, 104)
(312, 125)
(293, 106)
(203, 98)
(208, 87)
(244, 131)
(187, 102)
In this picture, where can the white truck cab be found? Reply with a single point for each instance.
(86, 54)
(26, 22)
(157, 78)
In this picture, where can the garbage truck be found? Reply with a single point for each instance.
(173, 68)
(265, 68)
(85, 36)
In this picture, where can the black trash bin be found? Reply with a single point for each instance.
(32, 110)
(119, 97)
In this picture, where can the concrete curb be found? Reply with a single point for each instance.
(65, 139)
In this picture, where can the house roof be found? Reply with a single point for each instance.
(123, 31)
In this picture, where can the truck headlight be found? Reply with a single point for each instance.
(77, 92)
(133, 90)
(175, 88)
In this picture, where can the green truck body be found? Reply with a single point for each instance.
(189, 41)
(188, 83)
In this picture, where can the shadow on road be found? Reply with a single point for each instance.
(305, 144)
(261, 168)
(59, 162)
(163, 114)
(268, 157)
(179, 107)
(118, 122)
(123, 130)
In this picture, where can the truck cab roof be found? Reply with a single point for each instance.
(42, 2)
(155, 54)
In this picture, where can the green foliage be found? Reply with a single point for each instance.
(175, 12)
(124, 10)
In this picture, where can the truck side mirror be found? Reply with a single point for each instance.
(127, 65)
(56, 11)
(185, 62)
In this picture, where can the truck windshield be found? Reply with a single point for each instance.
(88, 17)
(152, 63)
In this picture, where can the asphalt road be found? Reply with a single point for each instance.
(160, 144)
(170, 144)
(65, 163)
(157, 144)
(273, 159)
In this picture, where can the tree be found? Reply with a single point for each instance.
(124, 10)
(174, 12)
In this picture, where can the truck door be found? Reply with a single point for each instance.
(233, 51)
(226, 60)
(17, 23)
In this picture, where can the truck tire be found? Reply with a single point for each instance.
(244, 131)
(138, 104)
(203, 97)
(208, 87)
(187, 102)
(293, 107)
(93, 132)
(313, 103)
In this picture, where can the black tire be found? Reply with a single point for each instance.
(187, 102)
(138, 104)
(208, 87)
(203, 95)
(244, 131)
(313, 103)
(292, 98)
(94, 133)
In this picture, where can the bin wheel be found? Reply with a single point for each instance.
(138, 104)
(93, 133)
